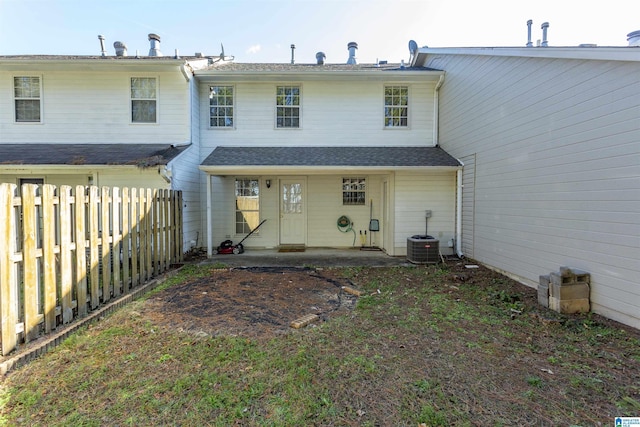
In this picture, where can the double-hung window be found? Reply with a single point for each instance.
(221, 106)
(26, 95)
(247, 204)
(396, 106)
(143, 100)
(288, 107)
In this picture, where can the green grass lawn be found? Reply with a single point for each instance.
(420, 347)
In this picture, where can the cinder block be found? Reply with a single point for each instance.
(543, 291)
(571, 291)
(581, 276)
(569, 306)
(559, 280)
(566, 272)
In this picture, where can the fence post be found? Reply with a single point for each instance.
(178, 232)
(8, 280)
(81, 251)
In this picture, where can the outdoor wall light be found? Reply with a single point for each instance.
(268, 182)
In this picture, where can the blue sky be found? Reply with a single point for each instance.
(263, 30)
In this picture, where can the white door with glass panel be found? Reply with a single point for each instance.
(292, 212)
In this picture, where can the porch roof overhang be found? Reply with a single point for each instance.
(323, 160)
(78, 156)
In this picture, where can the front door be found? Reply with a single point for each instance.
(292, 212)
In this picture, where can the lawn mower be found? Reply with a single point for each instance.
(227, 247)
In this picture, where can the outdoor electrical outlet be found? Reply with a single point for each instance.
(427, 214)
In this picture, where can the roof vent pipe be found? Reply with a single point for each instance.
(545, 26)
(352, 46)
(154, 49)
(102, 49)
(293, 59)
(320, 57)
(529, 23)
(121, 48)
(634, 38)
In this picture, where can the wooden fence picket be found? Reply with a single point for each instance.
(49, 257)
(8, 273)
(66, 251)
(81, 251)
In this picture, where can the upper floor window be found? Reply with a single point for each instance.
(396, 106)
(288, 107)
(143, 99)
(221, 106)
(26, 94)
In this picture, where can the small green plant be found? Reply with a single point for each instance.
(534, 381)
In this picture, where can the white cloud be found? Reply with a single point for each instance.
(254, 49)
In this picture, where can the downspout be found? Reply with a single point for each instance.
(436, 108)
(459, 188)
(209, 226)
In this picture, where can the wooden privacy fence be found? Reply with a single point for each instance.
(65, 252)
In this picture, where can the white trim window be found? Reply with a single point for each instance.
(27, 97)
(288, 107)
(143, 99)
(396, 106)
(247, 210)
(354, 191)
(221, 102)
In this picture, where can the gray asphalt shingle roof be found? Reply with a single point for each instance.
(240, 67)
(142, 155)
(330, 156)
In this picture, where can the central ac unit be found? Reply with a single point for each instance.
(423, 249)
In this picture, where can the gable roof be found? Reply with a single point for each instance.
(328, 157)
(141, 155)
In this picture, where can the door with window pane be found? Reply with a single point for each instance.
(292, 212)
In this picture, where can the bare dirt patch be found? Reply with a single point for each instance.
(251, 302)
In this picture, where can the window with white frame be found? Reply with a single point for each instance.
(221, 106)
(26, 95)
(288, 107)
(354, 191)
(247, 204)
(143, 100)
(396, 106)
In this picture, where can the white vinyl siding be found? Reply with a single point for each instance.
(354, 121)
(85, 107)
(414, 194)
(556, 169)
